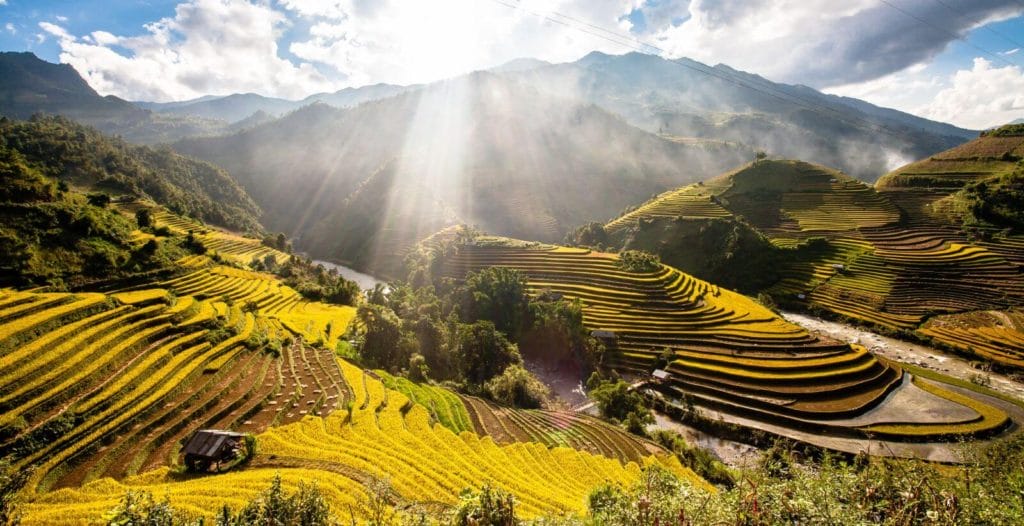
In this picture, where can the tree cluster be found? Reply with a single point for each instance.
(64, 150)
(469, 333)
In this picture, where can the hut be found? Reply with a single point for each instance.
(209, 448)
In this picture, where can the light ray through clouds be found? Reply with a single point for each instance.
(430, 172)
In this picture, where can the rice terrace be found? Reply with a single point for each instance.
(505, 263)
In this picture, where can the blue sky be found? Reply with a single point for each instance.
(951, 60)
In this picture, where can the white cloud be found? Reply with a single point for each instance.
(207, 47)
(56, 31)
(413, 41)
(62, 18)
(980, 97)
(3, 2)
(292, 48)
(10, 28)
(1010, 51)
(905, 90)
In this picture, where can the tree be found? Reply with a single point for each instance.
(617, 401)
(100, 200)
(483, 352)
(382, 338)
(639, 261)
(517, 387)
(759, 156)
(144, 217)
(269, 262)
(498, 294)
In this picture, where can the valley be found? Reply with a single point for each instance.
(619, 289)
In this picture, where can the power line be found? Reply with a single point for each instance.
(948, 32)
(638, 45)
(986, 26)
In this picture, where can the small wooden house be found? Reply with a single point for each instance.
(209, 448)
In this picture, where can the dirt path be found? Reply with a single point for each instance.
(908, 352)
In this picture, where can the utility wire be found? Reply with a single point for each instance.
(764, 89)
(986, 26)
(948, 32)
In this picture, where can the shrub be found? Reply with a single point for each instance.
(489, 507)
(618, 402)
(639, 261)
(517, 387)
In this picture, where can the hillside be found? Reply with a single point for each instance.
(870, 256)
(952, 186)
(689, 99)
(30, 85)
(101, 390)
(478, 149)
(82, 157)
(51, 235)
(726, 353)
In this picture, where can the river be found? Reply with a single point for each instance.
(906, 352)
(365, 281)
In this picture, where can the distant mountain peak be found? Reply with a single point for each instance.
(520, 64)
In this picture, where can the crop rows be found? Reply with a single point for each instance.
(386, 436)
(690, 202)
(314, 321)
(137, 375)
(729, 351)
(844, 203)
(444, 406)
(554, 428)
(240, 249)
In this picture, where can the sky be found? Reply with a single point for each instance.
(958, 61)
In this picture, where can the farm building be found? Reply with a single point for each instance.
(208, 448)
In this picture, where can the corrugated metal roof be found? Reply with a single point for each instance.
(208, 442)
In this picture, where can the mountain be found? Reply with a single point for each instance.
(231, 108)
(480, 149)
(348, 97)
(82, 157)
(240, 106)
(686, 98)
(965, 184)
(29, 85)
(520, 64)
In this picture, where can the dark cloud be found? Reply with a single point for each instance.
(882, 40)
(818, 42)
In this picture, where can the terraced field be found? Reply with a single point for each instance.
(385, 435)
(731, 354)
(316, 322)
(890, 258)
(233, 247)
(555, 429)
(99, 392)
(507, 425)
(134, 373)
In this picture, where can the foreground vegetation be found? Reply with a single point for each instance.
(782, 488)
